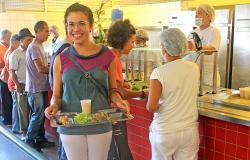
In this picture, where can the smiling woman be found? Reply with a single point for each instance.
(81, 24)
(84, 71)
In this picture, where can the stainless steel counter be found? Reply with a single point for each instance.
(209, 105)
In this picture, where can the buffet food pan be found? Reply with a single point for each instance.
(74, 119)
(234, 101)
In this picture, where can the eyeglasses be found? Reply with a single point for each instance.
(80, 24)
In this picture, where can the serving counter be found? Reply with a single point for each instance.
(224, 130)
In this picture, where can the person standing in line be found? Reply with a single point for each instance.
(65, 43)
(5, 95)
(210, 37)
(17, 69)
(174, 131)
(84, 71)
(55, 39)
(60, 47)
(37, 86)
(122, 46)
(14, 44)
(4, 45)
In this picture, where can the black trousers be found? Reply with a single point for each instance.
(5, 103)
(119, 148)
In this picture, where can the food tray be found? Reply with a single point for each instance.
(112, 116)
(235, 101)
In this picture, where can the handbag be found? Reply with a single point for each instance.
(4, 76)
(119, 148)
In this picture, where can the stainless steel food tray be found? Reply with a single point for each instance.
(233, 105)
(115, 115)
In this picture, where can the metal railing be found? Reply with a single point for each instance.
(214, 86)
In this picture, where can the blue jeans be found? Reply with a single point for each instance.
(15, 117)
(37, 103)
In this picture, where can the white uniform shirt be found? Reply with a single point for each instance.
(210, 36)
(177, 105)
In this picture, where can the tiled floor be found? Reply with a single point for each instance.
(9, 150)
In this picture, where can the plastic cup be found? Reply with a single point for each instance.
(86, 106)
(247, 92)
(242, 92)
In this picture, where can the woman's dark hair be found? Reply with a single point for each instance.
(76, 7)
(119, 33)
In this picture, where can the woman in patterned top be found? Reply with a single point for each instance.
(72, 85)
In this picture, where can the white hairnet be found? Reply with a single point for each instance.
(208, 9)
(174, 41)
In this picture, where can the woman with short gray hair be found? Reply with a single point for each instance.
(172, 98)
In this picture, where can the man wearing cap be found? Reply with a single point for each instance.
(141, 38)
(18, 74)
(210, 37)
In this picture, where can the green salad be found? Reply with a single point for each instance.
(82, 118)
(139, 85)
